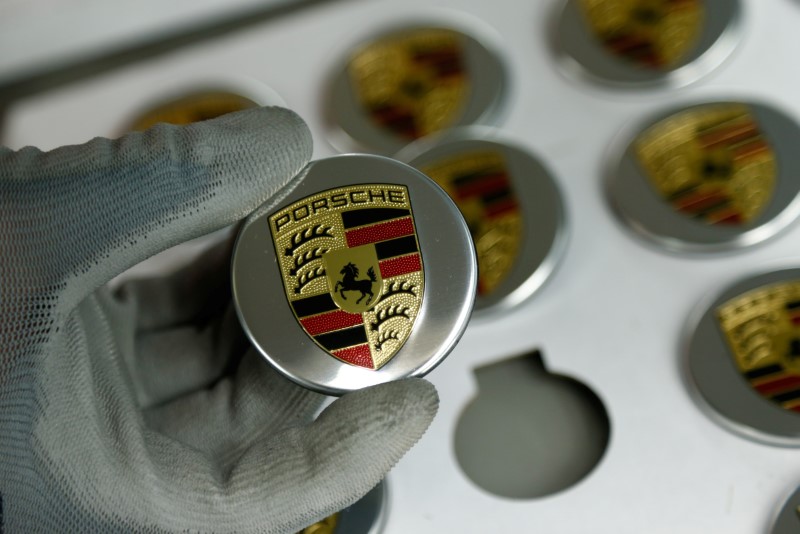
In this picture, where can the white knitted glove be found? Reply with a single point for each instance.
(144, 410)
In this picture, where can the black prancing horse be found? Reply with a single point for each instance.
(349, 282)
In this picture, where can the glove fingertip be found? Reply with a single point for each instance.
(385, 420)
(414, 398)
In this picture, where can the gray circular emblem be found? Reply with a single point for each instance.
(510, 202)
(744, 358)
(788, 520)
(709, 177)
(364, 273)
(412, 80)
(646, 43)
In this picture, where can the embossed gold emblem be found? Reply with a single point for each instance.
(193, 108)
(654, 34)
(352, 269)
(711, 163)
(414, 83)
(762, 327)
(480, 185)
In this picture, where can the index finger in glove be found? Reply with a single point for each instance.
(98, 208)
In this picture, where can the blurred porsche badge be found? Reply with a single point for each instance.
(414, 83)
(480, 185)
(711, 163)
(762, 327)
(654, 34)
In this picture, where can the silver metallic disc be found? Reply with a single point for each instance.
(788, 520)
(709, 177)
(363, 274)
(744, 358)
(646, 43)
(412, 80)
(511, 203)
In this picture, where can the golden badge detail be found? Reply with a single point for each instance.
(479, 184)
(762, 328)
(414, 83)
(652, 34)
(352, 270)
(711, 163)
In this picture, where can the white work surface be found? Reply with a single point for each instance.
(613, 315)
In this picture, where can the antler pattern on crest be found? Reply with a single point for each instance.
(307, 235)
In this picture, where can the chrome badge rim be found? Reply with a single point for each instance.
(271, 320)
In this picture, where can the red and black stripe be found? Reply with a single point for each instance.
(728, 133)
(391, 231)
(712, 204)
(396, 118)
(341, 339)
(740, 136)
(491, 186)
(776, 384)
(399, 246)
(793, 311)
(354, 218)
(340, 332)
(445, 62)
(635, 48)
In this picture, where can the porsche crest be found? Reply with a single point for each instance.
(414, 83)
(762, 328)
(480, 186)
(352, 270)
(711, 163)
(654, 34)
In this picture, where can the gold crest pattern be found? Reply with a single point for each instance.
(654, 34)
(479, 184)
(412, 84)
(711, 163)
(762, 327)
(193, 108)
(352, 270)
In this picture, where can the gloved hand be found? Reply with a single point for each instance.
(144, 409)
